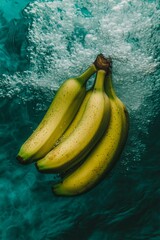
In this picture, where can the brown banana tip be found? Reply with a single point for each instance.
(38, 169)
(20, 159)
(53, 188)
(36, 165)
(41, 170)
(103, 63)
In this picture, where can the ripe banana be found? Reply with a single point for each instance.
(87, 133)
(58, 117)
(76, 120)
(105, 153)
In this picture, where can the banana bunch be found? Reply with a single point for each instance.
(82, 134)
(60, 114)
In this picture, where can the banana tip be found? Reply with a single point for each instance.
(36, 165)
(55, 190)
(42, 169)
(23, 161)
(20, 159)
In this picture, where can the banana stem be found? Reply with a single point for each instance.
(87, 74)
(109, 86)
(99, 84)
(102, 62)
(105, 64)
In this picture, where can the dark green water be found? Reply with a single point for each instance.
(41, 45)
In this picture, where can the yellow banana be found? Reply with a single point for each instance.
(87, 133)
(58, 117)
(77, 118)
(102, 157)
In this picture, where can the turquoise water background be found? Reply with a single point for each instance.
(42, 43)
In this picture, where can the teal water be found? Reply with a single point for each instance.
(41, 44)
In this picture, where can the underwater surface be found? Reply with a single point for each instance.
(42, 43)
